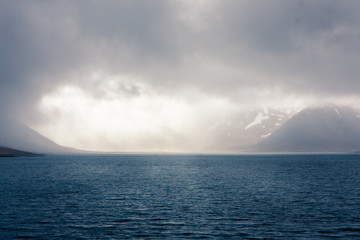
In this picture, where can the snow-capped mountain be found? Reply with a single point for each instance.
(249, 128)
(326, 129)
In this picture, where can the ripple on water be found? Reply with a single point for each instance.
(181, 197)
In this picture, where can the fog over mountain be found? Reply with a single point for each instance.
(18, 136)
(326, 129)
(171, 76)
(249, 128)
(9, 152)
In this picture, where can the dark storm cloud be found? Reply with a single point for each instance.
(230, 49)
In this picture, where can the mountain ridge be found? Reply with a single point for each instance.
(325, 129)
(15, 135)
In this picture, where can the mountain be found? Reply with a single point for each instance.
(8, 152)
(248, 128)
(18, 136)
(326, 129)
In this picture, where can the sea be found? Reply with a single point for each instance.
(178, 196)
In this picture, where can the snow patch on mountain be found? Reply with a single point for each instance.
(324, 129)
(258, 120)
(247, 128)
(265, 135)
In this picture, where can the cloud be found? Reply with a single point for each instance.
(128, 121)
(304, 46)
(249, 53)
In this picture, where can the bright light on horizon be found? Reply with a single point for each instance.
(120, 118)
(121, 113)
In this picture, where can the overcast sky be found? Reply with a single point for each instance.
(155, 75)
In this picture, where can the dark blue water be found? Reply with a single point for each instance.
(180, 197)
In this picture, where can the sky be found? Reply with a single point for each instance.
(157, 75)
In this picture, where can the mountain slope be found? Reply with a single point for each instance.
(8, 152)
(327, 129)
(247, 128)
(18, 136)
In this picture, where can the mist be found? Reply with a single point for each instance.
(156, 75)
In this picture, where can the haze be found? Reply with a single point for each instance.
(160, 75)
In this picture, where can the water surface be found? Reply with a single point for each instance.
(180, 197)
